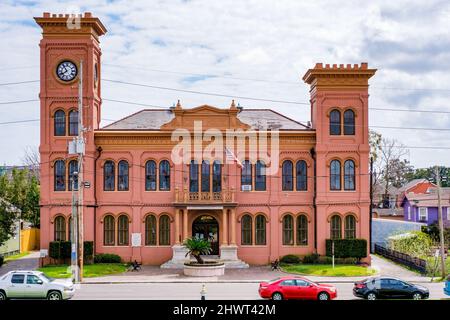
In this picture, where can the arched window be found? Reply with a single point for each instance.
(73, 178)
(335, 123)
(122, 230)
(164, 230)
(246, 230)
(302, 230)
(288, 230)
(349, 175)
(217, 176)
(123, 176)
(287, 183)
(109, 231)
(193, 176)
(205, 176)
(350, 227)
(246, 175)
(260, 230)
(150, 230)
(335, 226)
(59, 121)
(109, 176)
(260, 176)
(164, 175)
(150, 175)
(73, 123)
(60, 228)
(60, 175)
(349, 122)
(335, 175)
(301, 175)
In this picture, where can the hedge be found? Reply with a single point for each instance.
(63, 249)
(347, 248)
(290, 258)
(2, 260)
(107, 258)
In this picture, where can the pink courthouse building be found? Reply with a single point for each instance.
(142, 204)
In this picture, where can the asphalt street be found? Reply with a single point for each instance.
(191, 291)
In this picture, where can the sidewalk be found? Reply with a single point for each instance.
(28, 262)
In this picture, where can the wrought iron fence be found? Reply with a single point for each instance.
(402, 258)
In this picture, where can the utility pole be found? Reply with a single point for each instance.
(80, 152)
(74, 233)
(441, 223)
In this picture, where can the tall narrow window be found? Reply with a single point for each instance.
(164, 175)
(150, 175)
(350, 227)
(60, 175)
(288, 230)
(150, 230)
(335, 226)
(335, 175)
(287, 179)
(301, 175)
(349, 122)
(123, 176)
(217, 176)
(193, 176)
(122, 231)
(205, 176)
(109, 176)
(59, 122)
(73, 178)
(109, 231)
(260, 176)
(335, 123)
(349, 175)
(302, 230)
(164, 230)
(73, 123)
(246, 175)
(60, 228)
(260, 230)
(246, 230)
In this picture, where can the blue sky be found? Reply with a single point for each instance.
(245, 48)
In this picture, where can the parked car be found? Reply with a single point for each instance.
(34, 285)
(389, 288)
(296, 288)
(447, 286)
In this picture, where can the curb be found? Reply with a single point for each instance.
(220, 281)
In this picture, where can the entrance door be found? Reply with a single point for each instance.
(207, 227)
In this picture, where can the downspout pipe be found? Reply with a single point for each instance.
(371, 202)
(99, 153)
(313, 156)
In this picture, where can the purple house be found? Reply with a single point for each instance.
(424, 207)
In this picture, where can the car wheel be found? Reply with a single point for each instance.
(3, 296)
(323, 296)
(277, 296)
(371, 296)
(54, 295)
(417, 296)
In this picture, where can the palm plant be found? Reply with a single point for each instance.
(197, 247)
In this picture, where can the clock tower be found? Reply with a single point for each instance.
(68, 42)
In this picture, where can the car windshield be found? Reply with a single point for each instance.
(43, 275)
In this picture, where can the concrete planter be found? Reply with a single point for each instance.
(209, 269)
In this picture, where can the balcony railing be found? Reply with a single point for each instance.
(185, 196)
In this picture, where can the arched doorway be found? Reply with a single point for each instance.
(207, 227)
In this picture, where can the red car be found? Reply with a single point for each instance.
(296, 288)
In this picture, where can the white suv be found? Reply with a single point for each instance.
(34, 285)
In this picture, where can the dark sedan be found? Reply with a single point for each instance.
(389, 288)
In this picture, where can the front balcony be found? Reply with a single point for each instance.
(187, 197)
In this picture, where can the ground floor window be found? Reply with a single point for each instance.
(60, 228)
(288, 230)
(109, 231)
(336, 231)
(164, 230)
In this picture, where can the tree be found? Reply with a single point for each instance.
(31, 210)
(31, 159)
(197, 247)
(429, 174)
(8, 220)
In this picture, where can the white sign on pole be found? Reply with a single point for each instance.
(135, 239)
(43, 253)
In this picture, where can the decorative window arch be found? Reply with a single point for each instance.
(217, 176)
(288, 230)
(335, 175)
(349, 175)
(206, 174)
(164, 230)
(336, 227)
(150, 175)
(59, 175)
(335, 122)
(150, 230)
(109, 230)
(59, 123)
(123, 179)
(246, 173)
(287, 176)
(349, 122)
(123, 230)
(246, 229)
(164, 175)
(73, 178)
(301, 171)
(193, 176)
(60, 228)
(73, 123)
(260, 229)
(109, 176)
(350, 227)
(260, 176)
(302, 230)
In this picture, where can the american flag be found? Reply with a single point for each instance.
(230, 156)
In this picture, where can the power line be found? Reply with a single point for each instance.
(19, 101)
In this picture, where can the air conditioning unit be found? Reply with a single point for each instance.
(246, 187)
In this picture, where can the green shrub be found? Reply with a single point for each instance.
(63, 250)
(347, 248)
(88, 252)
(311, 258)
(290, 258)
(414, 243)
(2, 260)
(325, 260)
(107, 258)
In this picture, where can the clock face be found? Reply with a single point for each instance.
(66, 71)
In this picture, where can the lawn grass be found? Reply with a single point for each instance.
(90, 270)
(16, 256)
(340, 270)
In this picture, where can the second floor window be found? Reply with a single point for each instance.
(260, 176)
(60, 175)
(335, 123)
(73, 178)
(193, 176)
(164, 175)
(217, 176)
(60, 123)
(246, 174)
(335, 175)
(349, 175)
(287, 179)
(302, 181)
(73, 123)
(150, 175)
(205, 176)
(108, 176)
(122, 177)
(349, 122)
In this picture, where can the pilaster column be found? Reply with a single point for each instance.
(185, 224)
(225, 227)
(233, 226)
(177, 226)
